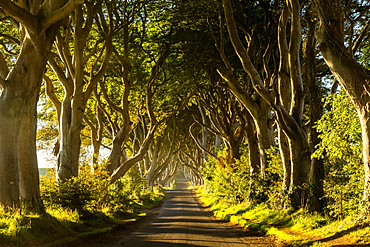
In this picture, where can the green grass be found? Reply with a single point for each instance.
(60, 225)
(19, 229)
(53, 228)
(299, 228)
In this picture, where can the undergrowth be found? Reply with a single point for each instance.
(78, 207)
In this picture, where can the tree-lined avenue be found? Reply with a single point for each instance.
(181, 222)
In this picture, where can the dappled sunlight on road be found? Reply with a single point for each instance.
(179, 222)
(182, 222)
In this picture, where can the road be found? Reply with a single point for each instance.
(182, 222)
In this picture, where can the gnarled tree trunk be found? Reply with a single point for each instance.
(289, 116)
(18, 99)
(354, 77)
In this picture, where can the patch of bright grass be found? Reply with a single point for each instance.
(291, 228)
(60, 225)
(281, 235)
(305, 221)
(20, 229)
(64, 214)
(362, 236)
(14, 226)
(262, 214)
(319, 244)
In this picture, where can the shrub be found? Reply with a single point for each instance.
(341, 148)
(233, 184)
(92, 192)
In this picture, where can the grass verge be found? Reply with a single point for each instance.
(61, 225)
(299, 228)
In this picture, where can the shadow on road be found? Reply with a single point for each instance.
(180, 222)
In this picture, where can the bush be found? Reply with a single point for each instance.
(341, 149)
(86, 193)
(92, 192)
(233, 184)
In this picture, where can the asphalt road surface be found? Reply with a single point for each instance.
(181, 222)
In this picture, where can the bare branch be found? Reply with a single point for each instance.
(182, 106)
(208, 127)
(107, 98)
(50, 92)
(152, 79)
(235, 88)
(361, 37)
(65, 52)
(20, 14)
(67, 84)
(240, 50)
(60, 13)
(286, 121)
(199, 145)
(99, 75)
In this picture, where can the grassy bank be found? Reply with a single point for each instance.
(60, 225)
(78, 207)
(292, 228)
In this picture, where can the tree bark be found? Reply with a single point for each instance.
(289, 119)
(254, 155)
(285, 159)
(38, 27)
(317, 202)
(285, 97)
(27, 159)
(77, 86)
(70, 140)
(265, 136)
(353, 77)
(299, 189)
(10, 117)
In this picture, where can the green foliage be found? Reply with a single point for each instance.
(233, 184)
(85, 193)
(131, 192)
(341, 148)
(229, 184)
(92, 192)
(18, 228)
(90, 198)
(340, 130)
(271, 184)
(364, 58)
(9, 39)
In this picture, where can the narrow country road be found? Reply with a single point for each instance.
(181, 221)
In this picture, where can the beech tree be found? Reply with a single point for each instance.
(79, 68)
(119, 163)
(38, 23)
(161, 154)
(339, 55)
(315, 93)
(226, 120)
(289, 101)
(258, 109)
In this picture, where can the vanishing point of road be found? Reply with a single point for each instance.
(181, 222)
